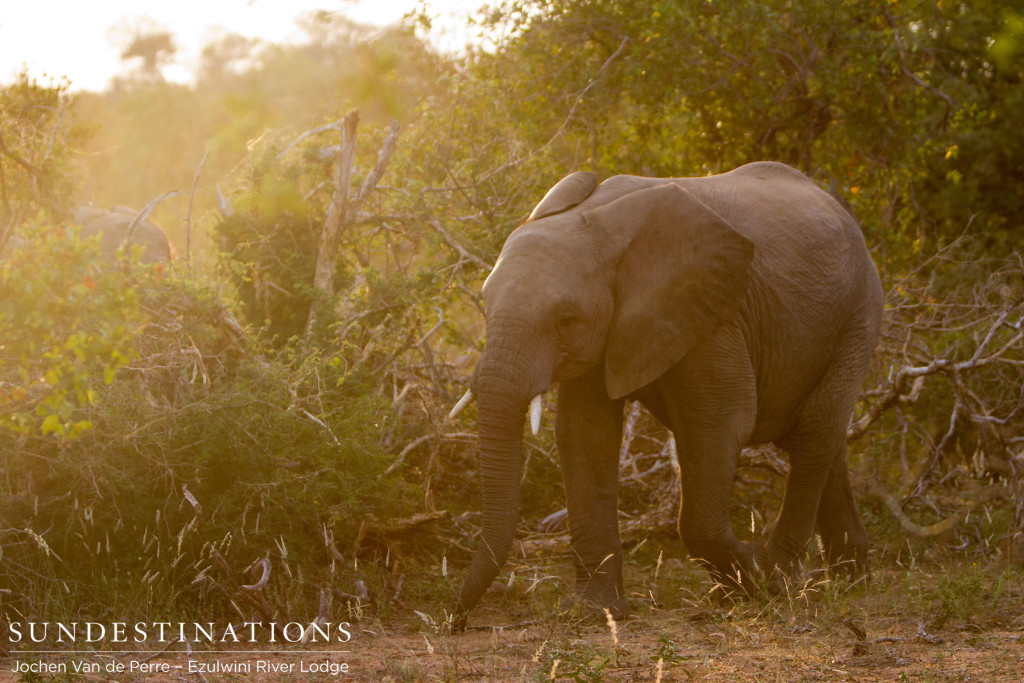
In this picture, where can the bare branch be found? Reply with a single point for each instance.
(56, 126)
(906, 384)
(383, 157)
(188, 216)
(911, 75)
(337, 125)
(454, 244)
(578, 98)
(412, 445)
(264, 564)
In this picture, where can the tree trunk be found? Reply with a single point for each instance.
(330, 238)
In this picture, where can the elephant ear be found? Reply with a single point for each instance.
(682, 273)
(570, 191)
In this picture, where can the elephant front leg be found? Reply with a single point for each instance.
(710, 404)
(589, 433)
(708, 465)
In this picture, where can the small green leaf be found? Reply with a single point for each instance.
(52, 424)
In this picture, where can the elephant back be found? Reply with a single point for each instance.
(113, 225)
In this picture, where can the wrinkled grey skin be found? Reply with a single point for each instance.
(739, 309)
(112, 225)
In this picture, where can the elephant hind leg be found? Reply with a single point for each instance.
(810, 469)
(842, 531)
(818, 489)
(818, 494)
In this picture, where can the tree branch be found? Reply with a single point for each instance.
(383, 157)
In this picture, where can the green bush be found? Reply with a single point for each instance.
(282, 457)
(268, 251)
(67, 323)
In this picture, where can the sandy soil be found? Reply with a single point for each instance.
(702, 644)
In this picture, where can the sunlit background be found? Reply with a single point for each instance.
(338, 180)
(85, 41)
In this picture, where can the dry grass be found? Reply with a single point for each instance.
(954, 622)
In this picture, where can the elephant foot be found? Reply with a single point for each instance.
(849, 560)
(778, 572)
(751, 571)
(591, 608)
(458, 624)
(456, 619)
(736, 571)
(850, 571)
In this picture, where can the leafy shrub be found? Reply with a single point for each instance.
(67, 323)
(204, 455)
(35, 140)
(268, 250)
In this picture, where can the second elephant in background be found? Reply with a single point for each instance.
(114, 226)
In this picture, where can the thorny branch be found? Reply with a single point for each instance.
(579, 97)
(459, 248)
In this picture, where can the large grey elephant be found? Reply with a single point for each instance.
(741, 308)
(114, 226)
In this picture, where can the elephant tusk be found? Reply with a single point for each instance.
(461, 405)
(535, 408)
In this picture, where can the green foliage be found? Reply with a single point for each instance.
(960, 595)
(279, 454)
(967, 595)
(67, 322)
(970, 49)
(269, 248)
(683, 88)
(35, 141)
(580, 662)
(298, 447)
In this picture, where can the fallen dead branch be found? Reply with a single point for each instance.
(373, 533)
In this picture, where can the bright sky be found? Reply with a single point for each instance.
(72, 37)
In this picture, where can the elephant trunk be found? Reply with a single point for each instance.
(501, 406)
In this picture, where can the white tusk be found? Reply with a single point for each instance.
(461, 405)
(535, 408)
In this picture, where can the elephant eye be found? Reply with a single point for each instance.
(567, 322)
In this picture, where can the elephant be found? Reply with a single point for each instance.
(739, 309)
(114, 226)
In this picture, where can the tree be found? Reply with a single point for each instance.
(144, 38)
(35, 140)
(898, 108)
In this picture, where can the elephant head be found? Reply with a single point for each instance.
(121, 225)
(628, 275)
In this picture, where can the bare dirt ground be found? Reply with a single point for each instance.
(948, 622)
(739, 650)
(906, 630)
(670, 647)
